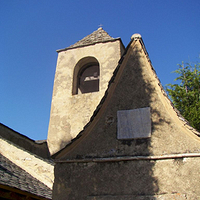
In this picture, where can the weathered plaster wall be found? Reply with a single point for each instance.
(79, 176)
(126, 180)
(69, 113)
(136, 87)
(28, 154)
(41, 169)
(39, 148)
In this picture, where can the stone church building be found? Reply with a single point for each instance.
(113, 132)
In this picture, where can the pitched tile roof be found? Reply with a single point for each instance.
(13, 176)
(97, 36)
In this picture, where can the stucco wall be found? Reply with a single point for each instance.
(69, 113)
(156, 169)
(36, 147)
(139, 179)
(40, 168)
(136, 87)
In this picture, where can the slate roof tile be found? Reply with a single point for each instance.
(97, 36)
(13, 176)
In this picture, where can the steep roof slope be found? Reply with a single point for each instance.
(13, 177)
(37, 147)
(134, 85)
(97, 36)
(31, 156)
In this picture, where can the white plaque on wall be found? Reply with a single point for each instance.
(133, 124)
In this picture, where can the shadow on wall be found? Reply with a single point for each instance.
(100, 168)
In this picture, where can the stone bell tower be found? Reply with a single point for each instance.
(82, 75)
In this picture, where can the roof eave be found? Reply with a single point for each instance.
(80, 46)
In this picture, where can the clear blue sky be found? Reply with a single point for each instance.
(32, 30)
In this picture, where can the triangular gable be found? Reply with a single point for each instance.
(134, 85)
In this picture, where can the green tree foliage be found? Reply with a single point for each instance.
(186, 95)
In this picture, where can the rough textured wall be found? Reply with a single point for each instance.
(127, 180)
(69, 113)
(36, 147)
(39, 168)
(135, 86)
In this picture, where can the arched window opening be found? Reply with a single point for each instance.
(86, 76)
(88, 79)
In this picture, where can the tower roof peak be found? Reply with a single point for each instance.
(100, 35)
